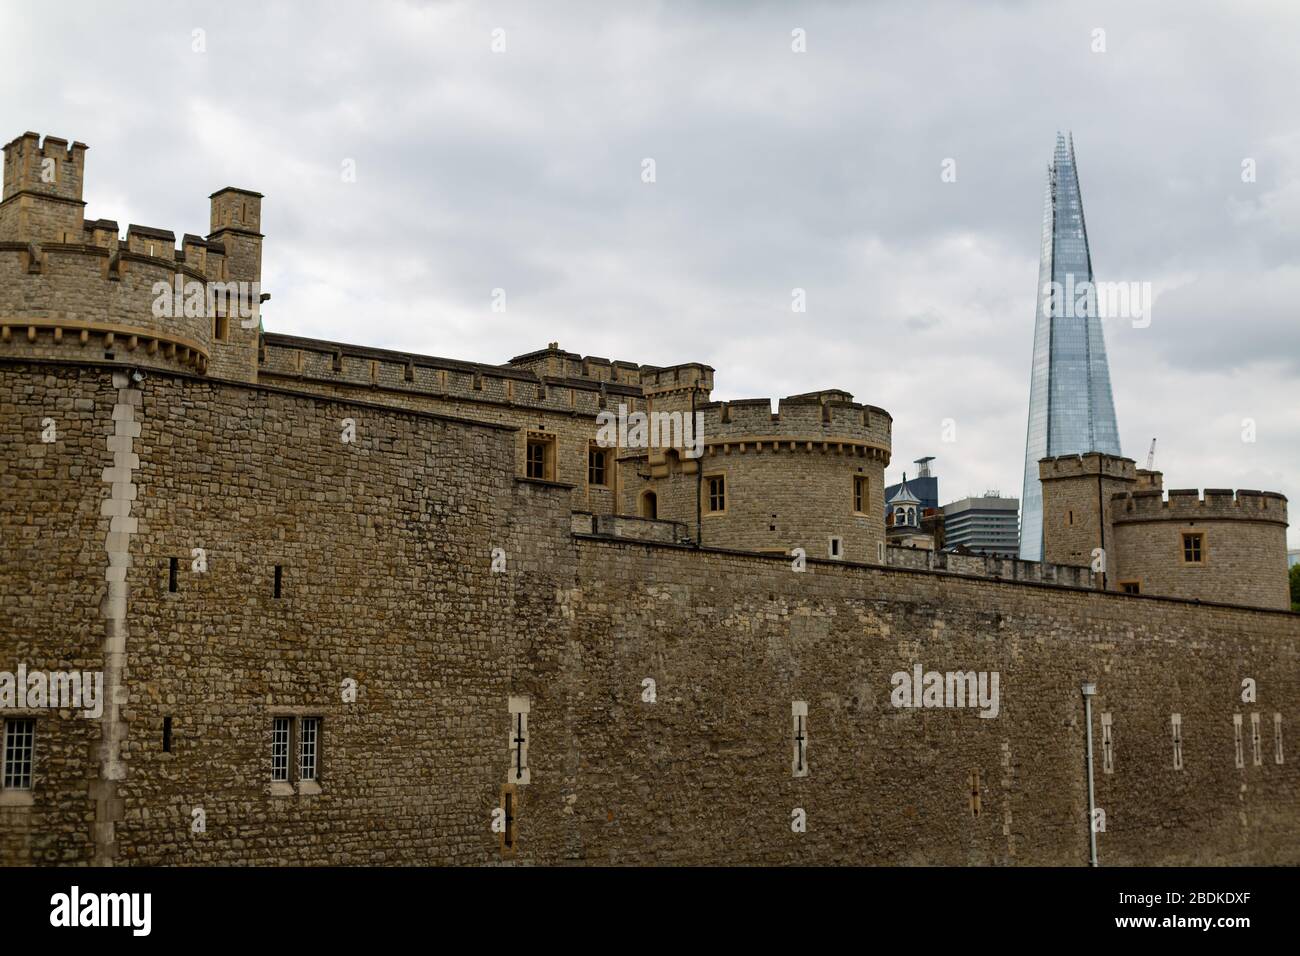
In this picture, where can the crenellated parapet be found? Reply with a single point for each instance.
(1092, 463)
(73, 289)
(88, 302)
(1189, 505)
(817, 421)
(349, 367)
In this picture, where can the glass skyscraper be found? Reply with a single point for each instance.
(1070, 405)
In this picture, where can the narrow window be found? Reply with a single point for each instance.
(167, 735)
(510, 810)
(1069, 518)
(596, 466)
(20, 736)
(280, 750)
(1107, 745)
(308, 742)
(172, 567)
(519, 773)
(1236, 736)
(279, 580)
(1193, 547)
(799, 734)
(649, 505)
(220, 325)
(1256, 741)
(1176, 723)
(1277, 738)
(974, 780)
(837, 548)
(860, 494)
(717, 493)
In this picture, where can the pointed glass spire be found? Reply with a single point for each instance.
(1071, 410)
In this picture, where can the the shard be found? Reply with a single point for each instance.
(1070, 405)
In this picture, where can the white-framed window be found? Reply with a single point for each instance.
(836, 548)
(280, 733)
(300, 736)
(308, 738)
(19, 743)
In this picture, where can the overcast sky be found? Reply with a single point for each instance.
(774, 170)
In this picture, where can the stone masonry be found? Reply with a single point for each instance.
(342, 617)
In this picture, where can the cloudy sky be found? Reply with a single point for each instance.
(522, 169)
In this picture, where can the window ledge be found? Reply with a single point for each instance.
(16, 798)
(280, 788)
(308, 788)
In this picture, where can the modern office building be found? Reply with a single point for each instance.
(924, 484)
(1071, 410)
(986, 525)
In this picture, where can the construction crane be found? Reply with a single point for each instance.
(1151, 456)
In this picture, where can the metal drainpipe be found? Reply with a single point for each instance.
(1088, 690)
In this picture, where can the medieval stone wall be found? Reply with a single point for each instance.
(386, 550)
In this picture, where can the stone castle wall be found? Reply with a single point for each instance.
(385, 547)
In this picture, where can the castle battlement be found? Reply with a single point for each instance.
(1091, 463)
(803, 422)
(50, 167)
(83, 301)
(1188, 504)
(349, 366)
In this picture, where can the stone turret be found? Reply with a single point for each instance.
(75, 290)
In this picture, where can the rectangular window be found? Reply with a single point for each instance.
(1193, 547)
(1069, 518)
(509, 811)
(308, 739)
(1256, 741)
(20, 735)
(167, 735)
(1277, 738)
(597, 462)
(837, 548)
(172, 567)
(540, 463)
(717, 487)
(1236, 736)
(861, 501)
(1131, 587)
(280, 749)
(220, 324)
(279, 579)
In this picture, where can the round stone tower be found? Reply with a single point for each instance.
(73, 290)
(810, 476)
